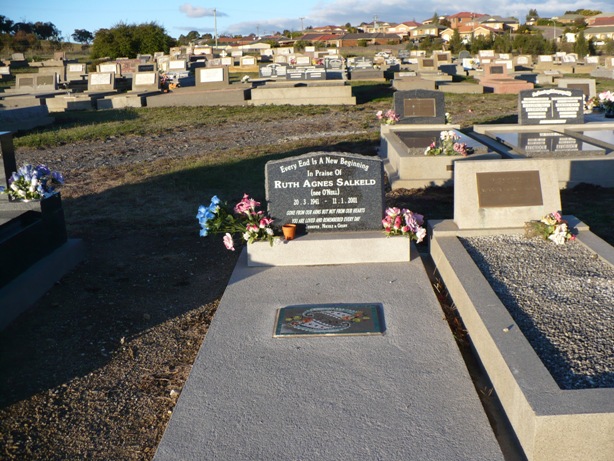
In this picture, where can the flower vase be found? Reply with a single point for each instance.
(289, 231)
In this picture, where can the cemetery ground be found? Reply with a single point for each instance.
(94, 369)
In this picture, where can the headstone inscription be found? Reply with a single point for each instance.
(327, 191)
(212, 77)
(551, 106)
(420, 106)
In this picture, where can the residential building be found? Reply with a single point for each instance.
(426, 30)
(403, 29)
(463, 18)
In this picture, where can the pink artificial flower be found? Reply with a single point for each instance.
(264, 222)
(246, 205)
(229, 242)
(379, 114)
(556, 215)
(392, 212)
(397, 222)
(251, 228)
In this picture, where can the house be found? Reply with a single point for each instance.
(600, 33)
(461, 19)
(468, 32)
(403, 29)
(374, 27)
(499, 23)
(600, 20)
(371, 39)
(570, 18)
(330, 30)
(426, 30)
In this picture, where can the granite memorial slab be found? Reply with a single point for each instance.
(326, 191)
(587, 85)
(329, 320)
(146, 81)
(101, 81)
(551, 106)
(546, 143)
(420, 107)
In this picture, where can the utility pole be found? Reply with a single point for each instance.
(375, 23)
(215, 25)
(302, 28)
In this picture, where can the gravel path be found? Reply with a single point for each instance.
(561, 297)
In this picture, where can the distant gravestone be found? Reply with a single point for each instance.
(303, 60)
(550, 106)
(427, 64)
(248, 61)
(212, 77)
(443, 57)
(145, 81)
(109, 67)
(75, 72)
(280, 59)
(227, 61)
(487, 54)
(101, 81)
(464, 55)
(587, 85)
(273, 70)
(327, 191)
(420, 106)
(544, 58)
(490, 194)
(593, 60)
(148, 67)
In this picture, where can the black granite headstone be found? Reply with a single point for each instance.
(326, 191)
(551, 106)
(420, 107)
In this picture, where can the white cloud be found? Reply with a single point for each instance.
(192, 11)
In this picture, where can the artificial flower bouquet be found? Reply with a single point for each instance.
(448, 145)
(551, 227)
(33, 183)
(245, 219)
(404, 222)
(389, 117)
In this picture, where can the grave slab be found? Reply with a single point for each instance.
(402, 395)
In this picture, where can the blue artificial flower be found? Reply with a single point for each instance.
(203, 232)
(215, 200)
(57, 177)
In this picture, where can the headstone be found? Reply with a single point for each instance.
(247, 61)
(5, 70)
(333, 63)
(362, 63)
(464, 54)
(236, 53)
(101, 81)
(109, 67)
(273, 70)
(202, 50)
(420, 107)
(443, 57)
(587, 85)
(487, 54)
(569, 59)
(128, 66)
(280, 59)
(491, 194)
(310, 49)
(212, 77)
(284, 50)
(303, 60)
(550, 106)
(149, 67)
(18, 57)
(544, 58)
(327, 191)
(158, 54)
(227, 61)
(76, 72)
(145, 81)
(505, 56)
(523, 60)
(427, 64)
(593, 60)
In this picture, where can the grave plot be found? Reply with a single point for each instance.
(329, 359)
(421, 123)
(551, 126)
(538, 334)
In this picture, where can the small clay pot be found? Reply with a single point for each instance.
(289, 231)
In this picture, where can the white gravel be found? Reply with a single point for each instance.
(561, 297)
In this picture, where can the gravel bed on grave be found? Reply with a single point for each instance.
(562, 299)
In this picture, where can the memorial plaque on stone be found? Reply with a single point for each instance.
(427, 63)
(295, 74)
(329, 320)
(420, 106)
(327, 191)
(550, 106)
(509, 189)
(494, 70)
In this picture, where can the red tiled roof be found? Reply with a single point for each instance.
(600, 22)
(465, 14)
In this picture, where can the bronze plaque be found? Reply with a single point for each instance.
(580, 86)
(496, 69)
(428, 63)
(509, 189)
(419, 107)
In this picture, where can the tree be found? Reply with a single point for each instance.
(456, 43)
(532, 14)
(503, 43)
(6, 25)
(130, 40)
(82, 36)
(46, 31)
(580, 47)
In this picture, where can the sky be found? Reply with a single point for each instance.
(265, 16)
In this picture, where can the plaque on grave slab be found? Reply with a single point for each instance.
(420, 106)
(584, 87)
(101, 78)
(494, 70)
(509, 189)
(329, 320)
(145, 78)
(327, 191)
(211, 75)
(546, 143)
(427, 62)
(550, 106)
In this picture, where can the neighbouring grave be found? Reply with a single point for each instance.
(420, 106)
(324, 191)
(101, 82)
(212, 77)
(273, 70)
(496, 80)
(422, 122)
(587, 85)
(551, 106)
(492, 202)
(76, 72)
(145, 82)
